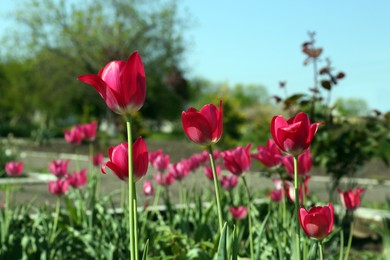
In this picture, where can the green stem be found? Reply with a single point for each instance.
(216, 187)
(132, 230)
(135, 212)
(157, 196)
(341, 245)
(55, 221)
(297, 228)
(349, 242)
(249, 218)
(320, 245)
(93, 199)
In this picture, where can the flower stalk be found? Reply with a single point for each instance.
(297, 229)
(131, 186)
(216, 187)
(249, 218)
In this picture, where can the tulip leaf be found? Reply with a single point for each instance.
(146, 249)
(313, 252)
(222, 247)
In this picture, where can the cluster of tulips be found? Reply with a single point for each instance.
(122, 85)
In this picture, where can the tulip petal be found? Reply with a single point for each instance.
(134, 73)
(196, 127)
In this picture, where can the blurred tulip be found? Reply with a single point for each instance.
(97, 160)
(228, 182)
(119, 160)
(295, 135)
(161, 162)
(237, 160)
(77, 179)
(74, 135)
(304, 163)
(148, 188)
(154, 154)
(350, 198)
(205, 126)
(59, 168)
(269, 155)
(179, 170)
(89, 130)
(164, 179)
(276, 195)
(58, 187)
(121, 84)
(14, 168)
(209, 172)
(238, 212)
(290, 191)
(317, 222)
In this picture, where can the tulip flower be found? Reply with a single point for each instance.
(121, 84)
(74, 135)
(179, 170)
(148, 188)
(119, 160)
(228, 182)
(209, 172)
(304, 163)
(14, 168)
(97, 160)
(290, 191)
(295, 135)
(350, 198)
(58, 187)
(276, 195)
(317, 222)
(164, 179)
(161, 162)
(238, 212)
(269, 155)
(205, 126)
(89, 130)
(154, 154)
(77, 179)
(238, 160)
(59, 168)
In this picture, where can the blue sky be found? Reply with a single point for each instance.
(258, 42)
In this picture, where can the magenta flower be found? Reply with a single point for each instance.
(238, 212)
(205, 126)
(59, 168)
(58, 187)
(295, 135)
(276, 195)
(77, 179)
(179, 170)
(317, 222)
(290, 190)
(161, 162)
(164, 179)
(89, 131)
(304, 163)
(97, 160)
(154, 154)
(228, 182)
(238, 160)
(209, 172)
(14, 168)
(119, 161)
(121, 84)
(350, 198)
(269, 155)
(148, 188)
(74, 135)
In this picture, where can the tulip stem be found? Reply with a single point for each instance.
(132, 231)
(216, 187)
(55, 221)
(135, 212)
(297, 230)
(349, 242)
(249, 218)
(321, 247)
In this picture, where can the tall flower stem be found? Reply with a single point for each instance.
(94, 183)
(135, 212)
(55, 220)
(321, 247)
(297, 229)
(249, 218)
(132, 231)
(216, 187)
(349, 241)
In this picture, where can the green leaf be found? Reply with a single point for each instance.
(222, 247)
(313, 252)
(146, 249)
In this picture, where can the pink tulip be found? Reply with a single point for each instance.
(205, 126)
(58, 187)
(59, 168)
(14, 168)
(238, 212)
(77, 179)
(119, 162)
(148, 188)
(317, 222)
(179, 170)
(209, 172)
(238, 160)
(97, 160)
(164, 179)
(228, 182)
(74, 135)
(304, 163)
(269, 155)
(154, 154)
(121, 84)
(89, 130)
(161, 162)
(295, 135)
(290, 190)
(276, 195)
(350, 198)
